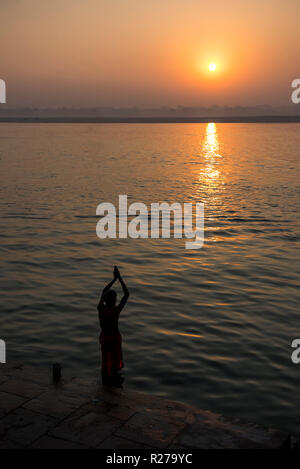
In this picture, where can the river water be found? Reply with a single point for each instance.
(211, 327)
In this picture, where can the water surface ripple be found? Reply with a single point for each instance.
(211, 327)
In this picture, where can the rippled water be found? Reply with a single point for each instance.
(211, 327)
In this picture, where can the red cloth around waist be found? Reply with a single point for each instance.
(111, 348)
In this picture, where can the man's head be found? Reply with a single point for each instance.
(110, 298)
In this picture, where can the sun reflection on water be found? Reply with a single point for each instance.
(211, 141)
(210, 174)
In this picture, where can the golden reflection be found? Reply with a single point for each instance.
(210, 175)
(185, 334)
(211, 142)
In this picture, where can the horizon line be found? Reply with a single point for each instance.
(152, 120)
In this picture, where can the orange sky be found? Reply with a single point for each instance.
(149, 53)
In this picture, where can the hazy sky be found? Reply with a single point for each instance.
(148, 52)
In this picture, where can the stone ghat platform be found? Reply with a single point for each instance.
(76, 413)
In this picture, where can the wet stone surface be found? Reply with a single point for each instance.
(77, 413)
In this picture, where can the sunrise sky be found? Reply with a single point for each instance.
(149, 53)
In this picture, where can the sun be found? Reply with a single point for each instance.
(212, 67)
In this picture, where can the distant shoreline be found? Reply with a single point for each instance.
(150, 120)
